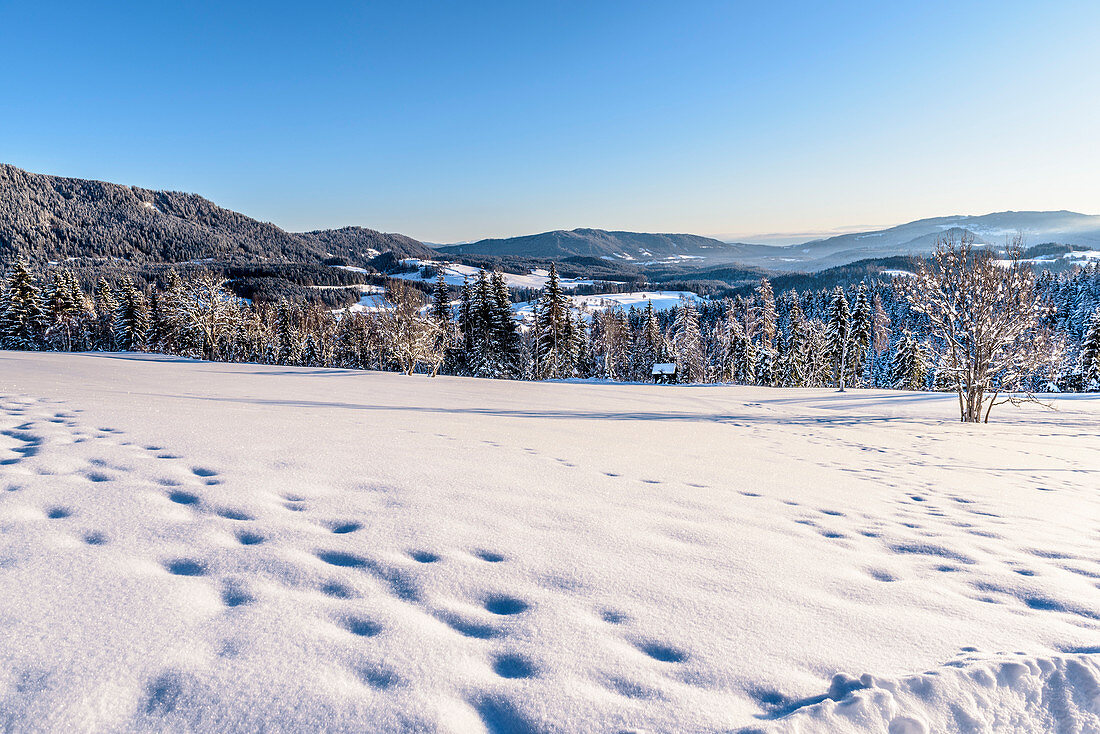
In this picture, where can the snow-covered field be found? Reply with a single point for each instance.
(214, 547)
(661, 300)
(454, 274)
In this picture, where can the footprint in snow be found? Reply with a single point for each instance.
(186, 567)
(342, 528)
(513, 666)
(663, 653)
(506, 605)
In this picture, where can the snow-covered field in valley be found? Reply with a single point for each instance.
(191, 546)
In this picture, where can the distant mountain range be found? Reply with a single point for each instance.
(52, 218)
(920, 237)
(56, 218)
(914, 238)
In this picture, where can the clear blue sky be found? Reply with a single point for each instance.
(452, 121)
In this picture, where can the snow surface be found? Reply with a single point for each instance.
(190, 546)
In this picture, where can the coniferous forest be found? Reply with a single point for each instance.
(871, 334)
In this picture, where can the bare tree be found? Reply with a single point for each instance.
(988, 323)
(410, 336)
(205, 306)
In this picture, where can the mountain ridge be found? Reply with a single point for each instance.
(54, 218)
(914, 238)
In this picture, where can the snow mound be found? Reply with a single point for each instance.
(1007, 692)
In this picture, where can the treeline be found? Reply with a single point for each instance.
(867, 335)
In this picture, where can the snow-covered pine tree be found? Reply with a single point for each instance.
(441, 300)
(909, 367)
(505, 335)
(766, 366)
(131, 326)
(554, 327)
(687, 343)
(287, 338)
(22, 320)
(838, 337)
(464, 361)
(765, 315)
(648, 345)
(862, 330)
(484, 358)
(1090, 354)
(64, 310)
(880, 343)
(106, 304)
(796, 357)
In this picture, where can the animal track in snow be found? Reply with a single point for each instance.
(342, 528)
(234, 595)
(489, 556)
(506, 605)
(186, 567)
(231, 514)
(378, 677)
(662, 652)
(362, 627)
(513, 666)
(183, 498)
(249, 538)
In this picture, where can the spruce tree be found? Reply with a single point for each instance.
(1090, 354)
(484, 357)
(554, 331)
(467, 327)
(287, 339)
(22, 320)
(861, 333)
(131, 325)
(441, 301)
(838, 336)
(687, 343)
(765, 320)
(106, 305)
(504, 331)
(909, 367)
(648, 345)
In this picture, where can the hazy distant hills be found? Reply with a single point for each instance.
(55, 218)
(626, 246)
(914, 238)
(919, 238)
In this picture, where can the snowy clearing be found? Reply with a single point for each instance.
(216, 547)
(454, 274)
(661, 300)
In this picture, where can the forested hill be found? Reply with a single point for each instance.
(55, 218)
(627, 246)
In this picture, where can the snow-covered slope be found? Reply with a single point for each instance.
(214, 547)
